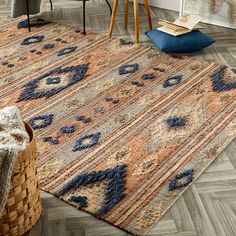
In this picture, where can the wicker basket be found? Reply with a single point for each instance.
(23, 207)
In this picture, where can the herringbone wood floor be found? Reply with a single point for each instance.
(208, 207)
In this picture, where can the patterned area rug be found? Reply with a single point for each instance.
(121, 130)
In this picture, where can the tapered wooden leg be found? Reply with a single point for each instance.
(126, 12)
(28, 17)
(136, 20)
(148, 13)
(84, 30)
(113, 16)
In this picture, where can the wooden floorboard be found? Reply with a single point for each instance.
(208, 207)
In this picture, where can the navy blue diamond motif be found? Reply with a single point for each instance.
(22, 24)
(48, 46)
(218, 83)
(67, 129)
(53, 80)
(148, 76)
(84, 119)
(51, 140)
(128, 69)
(181, 180)
(175, 122)
(32, 39)
(137, 84)
(172, 81)
(65, 51)
(159, 69)
(40, 122)
(114, 192)
(86, 141)
(113, 100)
(31, 91)
(82, 200)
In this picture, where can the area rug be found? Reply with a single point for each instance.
(121, 130)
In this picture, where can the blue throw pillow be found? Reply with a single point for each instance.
(189, 42)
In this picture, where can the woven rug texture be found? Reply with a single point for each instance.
(121, 130)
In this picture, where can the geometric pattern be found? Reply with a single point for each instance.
(67, 129)
(40, 122)
(51, 140)
(138, 84)
(159, 69)
(82, 200)
(175, 122)
(203, 208)
(48, 46)
(53, 80)
(86, 141)
(65, 51)
(32, 39)
(148, 76)
(218, 83)
(125, 69)
(181, 180)
(32, 91)
(114, 192)
(22, 24)
(207, 201)
(122, 101)
(63, 130)
(113, 100)
(172, 81)
(84, 119)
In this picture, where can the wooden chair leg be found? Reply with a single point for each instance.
(136, 20)
(84, 24)
(126, 12)
(28, 17)
(113, 16)
(148, 14)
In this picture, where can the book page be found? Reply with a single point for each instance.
(170, 25)
(174, 32)
(188, 21)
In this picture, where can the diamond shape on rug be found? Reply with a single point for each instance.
(65, 51)
(40, 122)
(172, 81)
(53, 82)
(175, 122)
(219, 83)
(126, 69)
(181, 180)
(86, 141)
(32, 39)
(112, 190)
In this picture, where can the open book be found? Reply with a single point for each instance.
(182, 25)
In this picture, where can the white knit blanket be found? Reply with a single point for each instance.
(13, 138)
